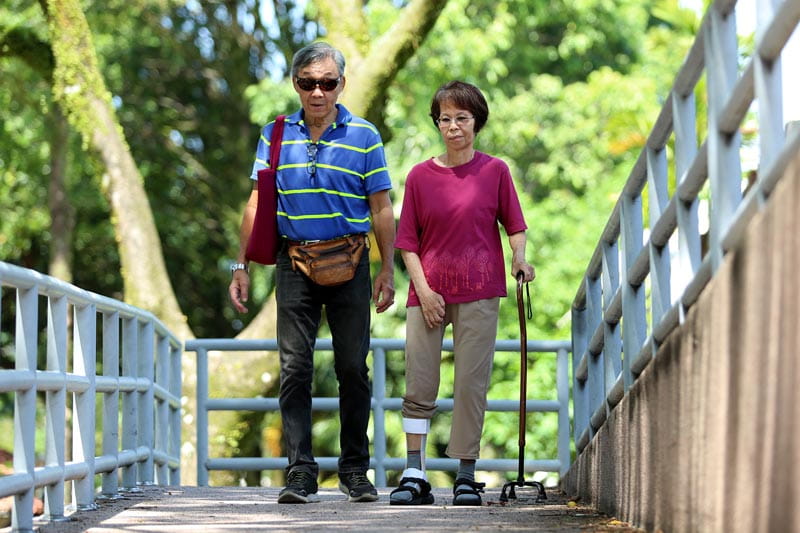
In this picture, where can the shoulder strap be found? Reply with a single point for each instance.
(275, 142)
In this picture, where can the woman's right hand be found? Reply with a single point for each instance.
(432, 305)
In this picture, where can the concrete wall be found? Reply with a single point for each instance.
(708, 439)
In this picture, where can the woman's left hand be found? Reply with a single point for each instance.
(518, 262)
(528, 272)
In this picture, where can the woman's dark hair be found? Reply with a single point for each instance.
(464, 96)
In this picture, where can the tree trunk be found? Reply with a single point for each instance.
(80, 89)
(62, 219)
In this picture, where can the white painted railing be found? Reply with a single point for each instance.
(139, 389)
(615, 330)
(379, 460)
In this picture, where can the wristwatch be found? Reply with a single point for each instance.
(239, 266)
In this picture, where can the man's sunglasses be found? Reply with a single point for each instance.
(326, 84)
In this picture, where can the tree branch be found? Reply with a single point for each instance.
(346, 29)
(367, 95)
(25, 44)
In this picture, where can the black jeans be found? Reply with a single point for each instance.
(347, 308)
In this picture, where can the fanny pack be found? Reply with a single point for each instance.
(328, 263)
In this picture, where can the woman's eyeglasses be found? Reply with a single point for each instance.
(326, 84)
(461, 120)
(312, 150)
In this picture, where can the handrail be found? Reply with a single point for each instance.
(616, 331)
(380, 404)
(140, 383)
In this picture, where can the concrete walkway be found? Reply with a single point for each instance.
(249, 509)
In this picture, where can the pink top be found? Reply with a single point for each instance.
(450, 218)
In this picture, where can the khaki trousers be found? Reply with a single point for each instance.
(474, 334)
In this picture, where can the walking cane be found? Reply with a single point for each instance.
(523, 394)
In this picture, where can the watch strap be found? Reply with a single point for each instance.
(239, 266)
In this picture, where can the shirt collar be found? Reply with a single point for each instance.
(343, 117)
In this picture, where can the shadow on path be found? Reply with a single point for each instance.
(237, 509)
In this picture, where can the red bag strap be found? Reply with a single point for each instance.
(275, 142)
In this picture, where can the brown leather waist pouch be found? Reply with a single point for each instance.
(328, 263)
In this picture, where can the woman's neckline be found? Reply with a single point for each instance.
(444, 162)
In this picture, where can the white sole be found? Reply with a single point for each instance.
(363, 498)
(293, 497)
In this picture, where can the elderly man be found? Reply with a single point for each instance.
(331, 180)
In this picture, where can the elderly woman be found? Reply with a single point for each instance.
(449, 239)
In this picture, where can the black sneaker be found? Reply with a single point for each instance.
(301, 487)
(357, 487)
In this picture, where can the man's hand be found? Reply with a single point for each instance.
(238, 290)
(383, 227)
(383, 291)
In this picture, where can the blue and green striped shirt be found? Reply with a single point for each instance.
(350, 166)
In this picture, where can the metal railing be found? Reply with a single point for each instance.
(614, 338)
(380, 404)
(140, 386)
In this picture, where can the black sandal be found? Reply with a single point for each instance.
(420, 492)
(474, 489)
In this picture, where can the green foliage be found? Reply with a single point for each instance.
(24, 97)
(270, 98)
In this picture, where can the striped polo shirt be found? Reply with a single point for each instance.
(350, 165)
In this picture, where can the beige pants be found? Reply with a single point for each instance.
(474, 334)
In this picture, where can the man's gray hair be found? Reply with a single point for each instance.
(316, 52)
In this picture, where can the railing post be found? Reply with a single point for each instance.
(612, 344)
(56, 404)
(146, 403)
(689, 250)
(110, 486)
(595, 383)
(202, 417)
(562, 390)
(130, 399)
(84, 363)
(176, 355)
(724, 168)
(25, 404)
(634, 319)
(161, 440)
(790, 55)
(660, 294)
(768, 91)
(580, 342)
(378, 414)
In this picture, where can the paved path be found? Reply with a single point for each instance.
(248, 509)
